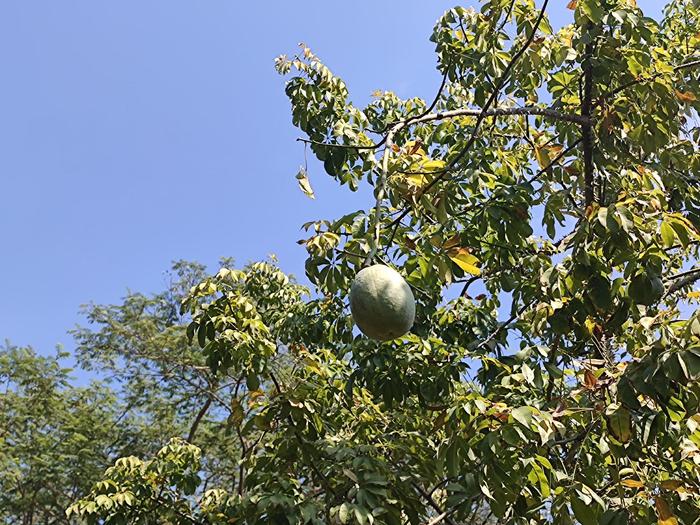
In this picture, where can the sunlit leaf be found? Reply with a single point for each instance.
(465, 260)
(632, 483)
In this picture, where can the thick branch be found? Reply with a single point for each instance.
(498, 112)
(683, 279)
(469, 112)
(587, 128)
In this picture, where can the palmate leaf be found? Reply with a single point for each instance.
(558, 380)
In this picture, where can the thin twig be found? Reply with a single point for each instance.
(198, 419)
(345, 146)
(504, 325)
(432, 503)
(299, 438)
(380, 191)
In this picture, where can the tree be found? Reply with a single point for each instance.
(55, 440)
(558, 172)
(141, 347)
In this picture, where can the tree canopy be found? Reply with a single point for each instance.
(545, 210)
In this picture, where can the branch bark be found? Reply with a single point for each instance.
(198, 418)
(463, 112)
(683, 279)
(433, 503)
(587, 128)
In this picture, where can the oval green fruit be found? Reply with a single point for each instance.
(382, 304)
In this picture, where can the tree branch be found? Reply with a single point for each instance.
(198, 419)
(345, 146)
(483, 113)
(433, 503)
(299, 438)
(587, 128)
(641, 80)
(428, 116)
(380, 190)
(500, 112)
(504, 325)
(683, 279)
(437, 96)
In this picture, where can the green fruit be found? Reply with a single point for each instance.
(382, 303)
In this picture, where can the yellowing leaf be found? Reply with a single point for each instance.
(431, 165)
(589, 379)
(664, 512)
(417, 181)
(546, 154)
(304, 184)
(632, 483)
(671, 484)
(694, 295)
(465, 260)
(590, 324)
(254, 394)
(687, 96)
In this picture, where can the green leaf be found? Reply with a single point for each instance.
(583, 511)
(599, 290)
(202, 335)
(523, 415)
(668, 236)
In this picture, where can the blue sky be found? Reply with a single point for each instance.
(134, 133)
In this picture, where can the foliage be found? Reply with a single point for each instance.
(55, 440)
(141, 346)
(556, 170)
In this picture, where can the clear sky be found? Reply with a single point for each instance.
(136, 132)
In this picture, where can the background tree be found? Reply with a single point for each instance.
(141, 347)
(55, 440)
(558, 172)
